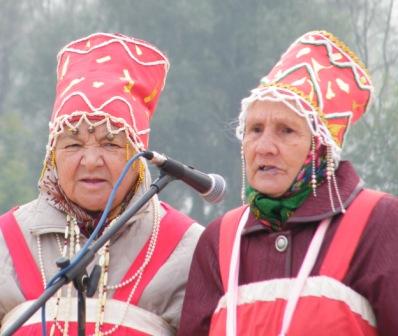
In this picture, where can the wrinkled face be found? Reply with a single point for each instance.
(276, 143)
(89, 164)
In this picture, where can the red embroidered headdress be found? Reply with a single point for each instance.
(321, 79)
(108, 78)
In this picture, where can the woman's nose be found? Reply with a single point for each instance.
(266, 144)
(92, 157)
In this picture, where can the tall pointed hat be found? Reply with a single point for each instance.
(109, 78)
(321, 79)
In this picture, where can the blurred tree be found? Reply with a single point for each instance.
(372, 143)
(14, 170)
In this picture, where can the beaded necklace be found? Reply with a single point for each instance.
(71, 240)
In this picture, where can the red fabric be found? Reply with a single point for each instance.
(28, 274)
(348, 234)
(112, 73)
(35, 330)
(229, 226)
(265, 318)
(172, 228)
(317, 60)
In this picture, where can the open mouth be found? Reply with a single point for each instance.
(269, 169)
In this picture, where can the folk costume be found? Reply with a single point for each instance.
(114, 80)
(320, 259)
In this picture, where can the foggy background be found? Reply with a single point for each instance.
(218, 50)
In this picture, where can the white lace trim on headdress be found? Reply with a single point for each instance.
(59, 123)
(64, 122)
(295, 103)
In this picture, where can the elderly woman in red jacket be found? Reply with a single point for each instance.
(312, 252)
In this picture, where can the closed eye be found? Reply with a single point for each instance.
(73, 145)
(111, 146)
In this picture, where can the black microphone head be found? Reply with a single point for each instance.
(217, 190)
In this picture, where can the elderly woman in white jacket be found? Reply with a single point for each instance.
(107, 90)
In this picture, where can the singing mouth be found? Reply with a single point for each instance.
(269, 169)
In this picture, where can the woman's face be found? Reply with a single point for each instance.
(276, 143)
(89, 164)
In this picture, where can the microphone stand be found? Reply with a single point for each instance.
(78, 273)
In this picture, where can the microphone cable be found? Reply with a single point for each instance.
(92, 237)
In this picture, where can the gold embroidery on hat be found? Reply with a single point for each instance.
(363, 80)
(329, 92)
(104, 59)
(301, 94)
(72, 84)
(65, 67)
(97, 84)
(149, 98)
(138, 50)
(303, 52)
(346, 49)
(357, 106)
(127, 88)
(343, 85)
(335, 130)
(130, 82)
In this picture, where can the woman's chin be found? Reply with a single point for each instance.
(92, 206)
(270, 191)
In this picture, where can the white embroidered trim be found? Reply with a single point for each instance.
(58, 127)
(136, 317)
(94, 109)
(296, 103)
(319, 286)
(116, 39)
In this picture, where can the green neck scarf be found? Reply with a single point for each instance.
(275, 211)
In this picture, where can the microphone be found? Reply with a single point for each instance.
(210, 186)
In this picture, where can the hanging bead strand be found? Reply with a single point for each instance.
(313, 171)
(329, 174)
(140, 271)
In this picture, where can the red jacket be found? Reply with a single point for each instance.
(372, 273)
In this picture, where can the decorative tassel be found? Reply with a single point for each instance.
(243, 189)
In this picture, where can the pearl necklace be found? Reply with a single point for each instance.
(71, 238)
(137, 276)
